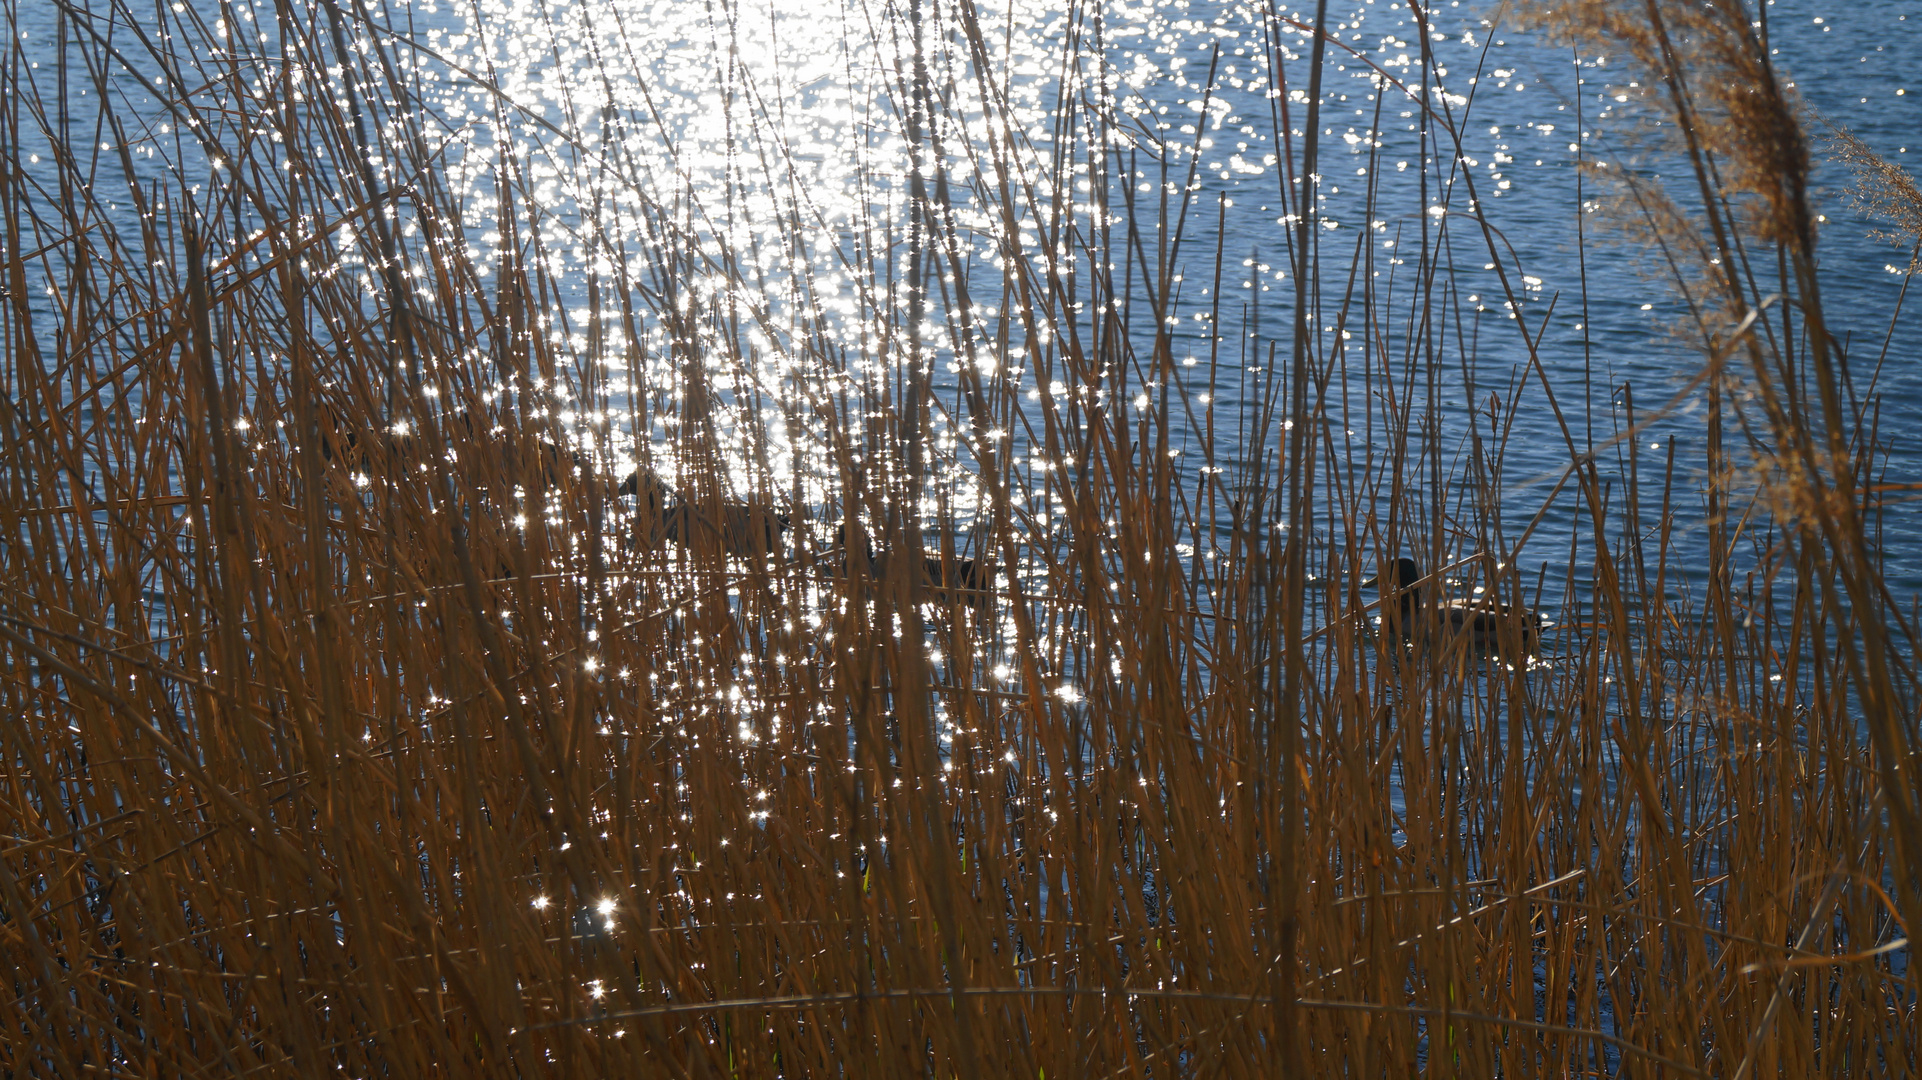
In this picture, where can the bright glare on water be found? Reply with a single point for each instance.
(766, 146)
(751, 184)
(773, 137)
(770, 140)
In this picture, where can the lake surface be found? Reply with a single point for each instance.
(760, 108)
(743, 118)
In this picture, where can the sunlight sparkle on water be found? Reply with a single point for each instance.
(668, 123)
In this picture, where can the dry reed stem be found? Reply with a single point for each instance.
(406, 758)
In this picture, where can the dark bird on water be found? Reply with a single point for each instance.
(1488, 626)
(649, 488)
(738, 529)
(968, 581)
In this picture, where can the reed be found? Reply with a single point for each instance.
(422, 760)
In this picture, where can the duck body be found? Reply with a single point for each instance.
(738, 529)
(1487, 626)
(968, 581)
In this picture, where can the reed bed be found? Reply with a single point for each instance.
(357, 724)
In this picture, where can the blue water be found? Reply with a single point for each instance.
(733, 138)
(1529, 105)
(1614, 334)
(710, 102)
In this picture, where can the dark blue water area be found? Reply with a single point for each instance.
(1607, 321)
(1613, 325)
(1529, 105)
(1606, 318)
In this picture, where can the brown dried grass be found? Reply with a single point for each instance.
(311, 773)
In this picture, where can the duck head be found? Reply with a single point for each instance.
(1401, 582)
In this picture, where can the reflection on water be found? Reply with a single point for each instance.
(773, 139)
(1003, 318)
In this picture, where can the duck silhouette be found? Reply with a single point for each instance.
(739, 529)
(968, 580)
(1488, 626)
